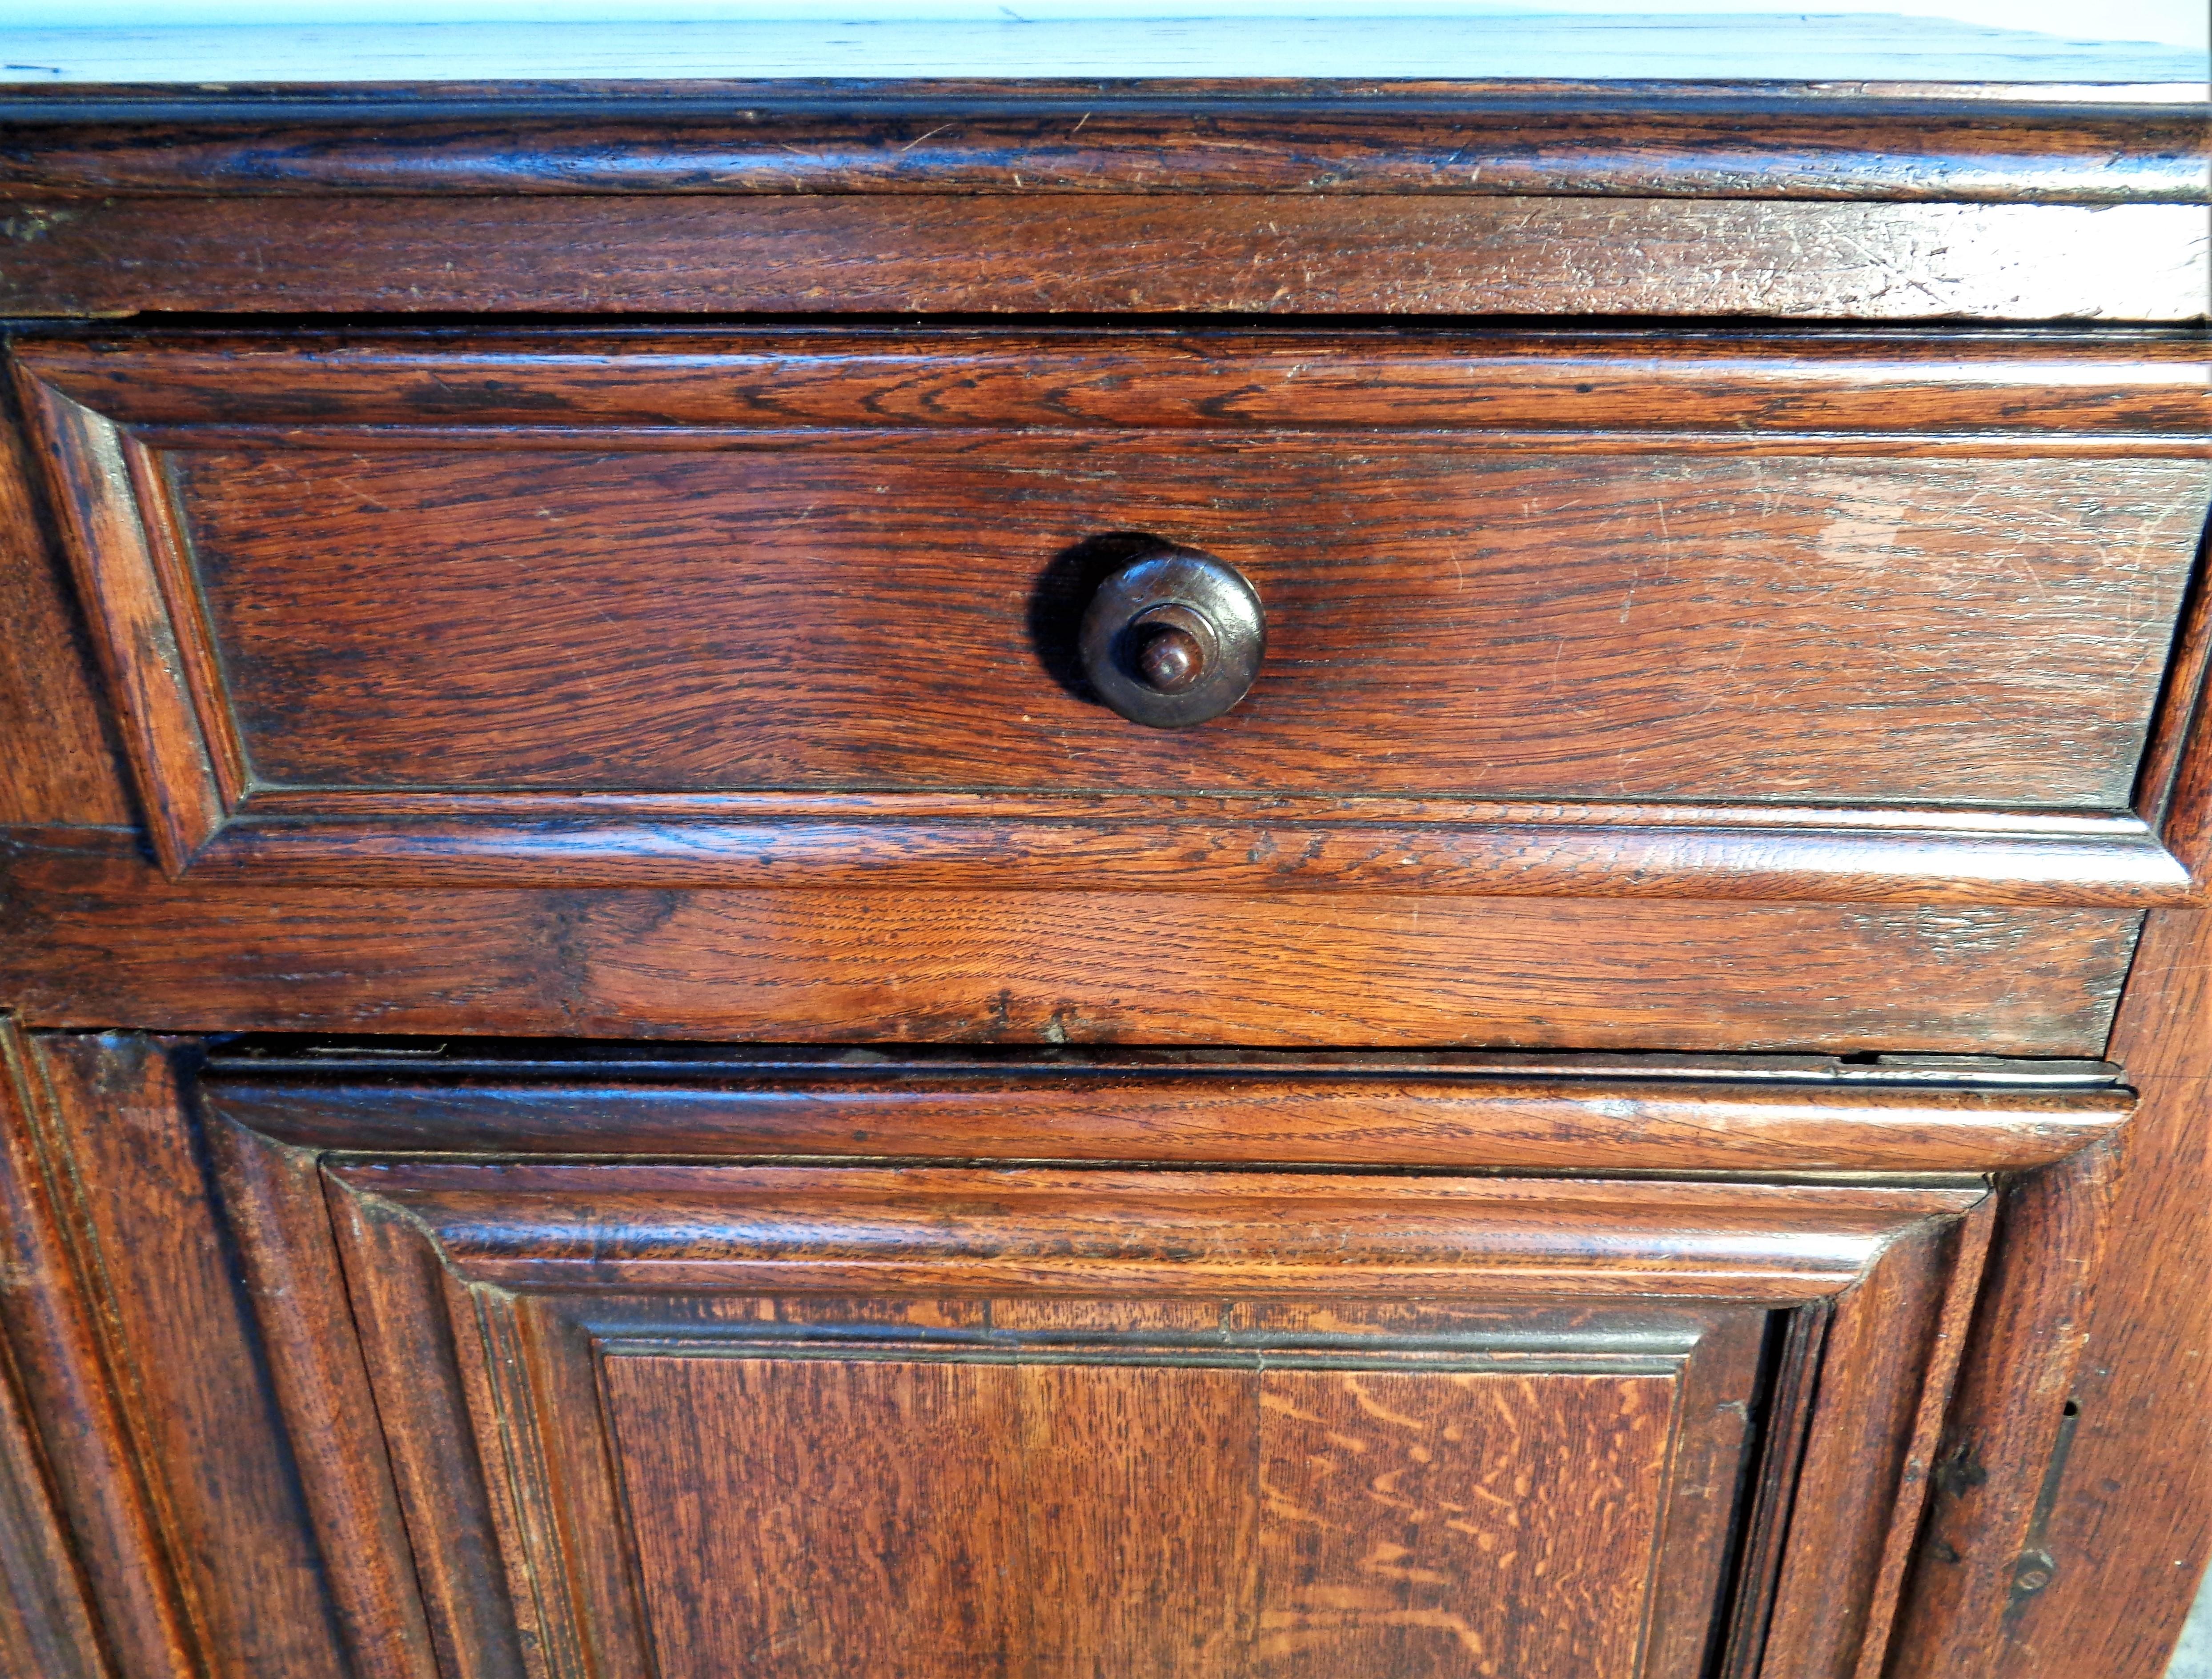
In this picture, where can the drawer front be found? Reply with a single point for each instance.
(469, 591)
(887, 614)
(850, 1419)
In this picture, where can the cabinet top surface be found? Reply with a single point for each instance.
(2151, 51)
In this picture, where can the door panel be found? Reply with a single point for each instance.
(894, 1516)
(859, 1421)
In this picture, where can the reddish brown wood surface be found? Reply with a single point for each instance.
(620, 1227)
(1538, 139)
(1200, 844)
(60, 1353)
(49, 1628)
(2010, 1415)
(1832, 1603)
(180, 752)
(1441, 621)
(1752, 1116)
(2129, 1519)
(1246, 253)
(56, 764)
(1824, 601)
(1192, 1521)
(2129, 386)
(680, 1268)
(99, 939)
(271, 1210)
(668, 1266)
(322, 638)
(181, 1366)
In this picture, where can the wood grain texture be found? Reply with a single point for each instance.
(1440, 621)
(439, 1467)
(1404, 1538)
(1890, 1351)
(1251, 844)
(1236, 1109)
(2176, 790)
(2130, 387)
(183, 1363)
(49, 1628)
(405, 655)
(58, 1348)
(1249, 253)
(528, 1365)
(271, 1200)
(1887, 633)
(664, 1275)
(2007, 1418)
(889, 1519)
(621, 1226)
(2127, 1522)
(1141, 1494)
(57, 761)
(97, 939)
(179, 765)
(615, 1226)
(1152, 136)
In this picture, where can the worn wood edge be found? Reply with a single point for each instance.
(395, 1285)
(199, 662)
(936, 1226)
(1291, 445)
(317, 1060)
(2125, 1521)
(2123, 867)
(502, 1366)
(1743, 140)
(101, 938)
(1475, 1123)
(2174, 721)
(58, 757)
(118, 579)
(1885, 1352)
(59, 1347)
(49, 1628)
(2131, 388)
(2175, 789)
(190, 1357)
(1268, 254)
(274, 1205)
(1970, 1246)
(2027, 1342)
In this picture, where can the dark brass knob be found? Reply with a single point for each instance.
(1174, 637)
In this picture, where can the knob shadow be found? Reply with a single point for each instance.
(1061, 592)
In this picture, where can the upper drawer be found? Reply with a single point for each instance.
(798, 601)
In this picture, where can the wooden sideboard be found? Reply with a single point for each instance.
(618, 1065)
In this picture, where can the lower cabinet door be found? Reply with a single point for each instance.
(696, 1421)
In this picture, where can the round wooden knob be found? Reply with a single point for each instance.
(1174, 637)
(1170, 660)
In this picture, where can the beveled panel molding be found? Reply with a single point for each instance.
(173, 454)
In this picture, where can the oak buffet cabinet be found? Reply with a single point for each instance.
(1148, 881)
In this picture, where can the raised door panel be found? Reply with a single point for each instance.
(796, 1421)
(958, 1517)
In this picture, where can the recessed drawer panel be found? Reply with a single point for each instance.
(1443, 617)
(796, 576)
